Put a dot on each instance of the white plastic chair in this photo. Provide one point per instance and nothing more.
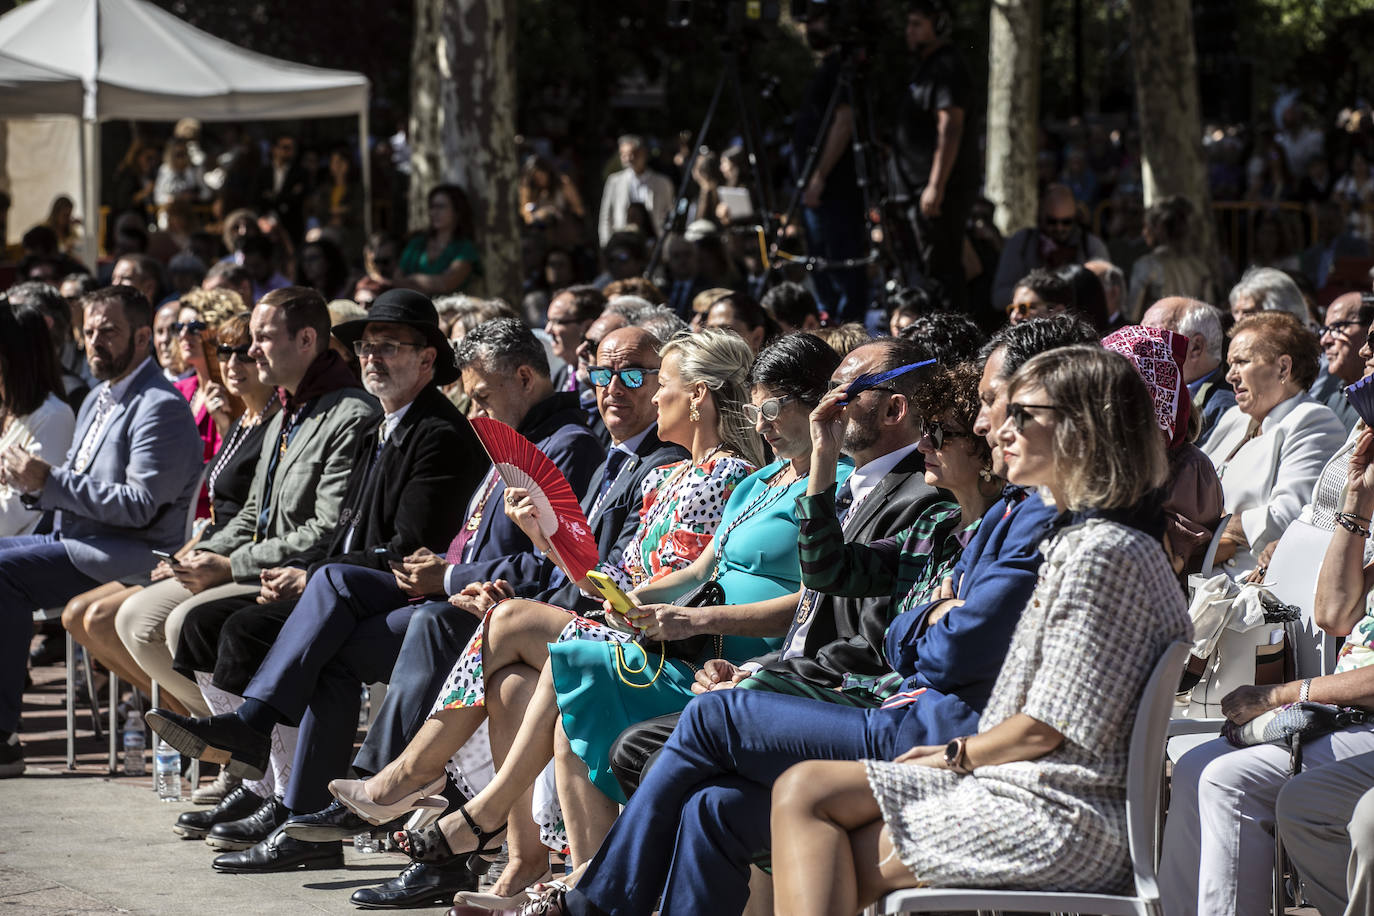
(1143, 782)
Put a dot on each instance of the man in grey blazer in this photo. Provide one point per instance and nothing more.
(634, 184)
(297, 494)
(125, 488)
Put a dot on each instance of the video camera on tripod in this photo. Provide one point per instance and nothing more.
(850, 21)
(727, 16)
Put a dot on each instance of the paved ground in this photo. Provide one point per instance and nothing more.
(83, 842)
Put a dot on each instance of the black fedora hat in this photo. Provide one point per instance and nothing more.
(407, 307)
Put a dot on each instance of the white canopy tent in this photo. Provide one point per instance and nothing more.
(99, 60)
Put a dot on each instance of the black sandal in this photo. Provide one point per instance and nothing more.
(431, 846)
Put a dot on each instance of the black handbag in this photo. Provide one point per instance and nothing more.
(691, 649)
(1293, 724)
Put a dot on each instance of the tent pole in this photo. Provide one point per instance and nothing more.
(365, 163)
(90, 191)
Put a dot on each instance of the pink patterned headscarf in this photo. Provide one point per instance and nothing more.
(1158, 356)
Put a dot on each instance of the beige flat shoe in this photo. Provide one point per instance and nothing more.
(352, 794)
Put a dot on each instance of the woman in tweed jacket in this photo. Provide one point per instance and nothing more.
(1035, 799)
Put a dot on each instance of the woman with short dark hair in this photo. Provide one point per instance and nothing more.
(33, 415)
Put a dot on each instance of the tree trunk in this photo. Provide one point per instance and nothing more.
(462, 125)
(1164, 58)
(1013, 111)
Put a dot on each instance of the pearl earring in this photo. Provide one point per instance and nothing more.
(985, 473)
(693, 414)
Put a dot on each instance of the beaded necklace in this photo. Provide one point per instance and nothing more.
(226, 454)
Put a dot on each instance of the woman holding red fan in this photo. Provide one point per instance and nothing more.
(701, 406)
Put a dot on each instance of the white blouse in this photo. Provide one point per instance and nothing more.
(46, 433)
(1270, 478)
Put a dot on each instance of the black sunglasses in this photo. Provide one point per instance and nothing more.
(938, 433)
(227, 353)
(195, 327)
(1050, 221)
(1019, 414)
(631, 378)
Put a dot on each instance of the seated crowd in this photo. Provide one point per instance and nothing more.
(892, 601)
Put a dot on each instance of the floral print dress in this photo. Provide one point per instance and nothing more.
(682, 505)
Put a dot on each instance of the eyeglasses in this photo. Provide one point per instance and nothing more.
(631, 378)
(382, 349)
(938, 433)
(194, 327)
(1021, 308)
(1065, 223)
(769, 410)
(1020, 413)
(227, 353)
(1338, 328)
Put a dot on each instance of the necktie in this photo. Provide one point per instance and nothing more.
(844, 500)
(615, 460)
(458, 547)
(105, 403)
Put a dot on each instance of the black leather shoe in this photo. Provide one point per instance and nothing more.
(281, 853)
(247, 831)
(225, 740)
(336, 823)
(237, 804)
(421, 884)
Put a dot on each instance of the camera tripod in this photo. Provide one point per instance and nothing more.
(850, 89)
(733, 50)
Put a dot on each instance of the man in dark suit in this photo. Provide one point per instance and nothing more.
(283, 187)
(125, 487)
(434, 641)
(410, 480)
(831, 637)
(345, 621)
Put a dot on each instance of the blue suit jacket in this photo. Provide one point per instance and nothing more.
(137, 491)
(558, 426)
(957, 660)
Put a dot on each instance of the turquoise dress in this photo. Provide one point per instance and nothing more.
(757, 561)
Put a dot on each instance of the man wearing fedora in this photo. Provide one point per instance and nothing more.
(293, 649)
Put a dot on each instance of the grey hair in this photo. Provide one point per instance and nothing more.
(1113, 277)
(627, 307)
(1201, 318)
(1272, 290)
(502, 345)
(662, 322)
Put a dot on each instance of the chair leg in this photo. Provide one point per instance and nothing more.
(71, 702)
(1280, 895)
(90, 694)
(113, 728)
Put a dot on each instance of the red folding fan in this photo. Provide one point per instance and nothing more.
(521, 464)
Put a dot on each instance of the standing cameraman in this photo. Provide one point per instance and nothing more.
(832, 205)
(936, 165)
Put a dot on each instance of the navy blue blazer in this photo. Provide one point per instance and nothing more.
(558, 426)
(958, 659)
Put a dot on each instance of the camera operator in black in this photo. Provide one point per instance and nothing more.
(935, 150)
(832, 205)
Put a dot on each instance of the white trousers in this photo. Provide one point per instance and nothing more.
(1326, 819)
(1218, 856)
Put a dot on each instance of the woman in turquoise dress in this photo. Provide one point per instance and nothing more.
(753, 557)
(443, 259)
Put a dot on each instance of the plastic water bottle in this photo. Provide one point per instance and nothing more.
(133, 745)
(166, 771)
(366, 843)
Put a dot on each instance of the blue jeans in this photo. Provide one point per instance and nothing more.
(35, 573)
(701, 813)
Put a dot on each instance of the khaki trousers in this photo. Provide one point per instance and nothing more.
(1326, 819)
